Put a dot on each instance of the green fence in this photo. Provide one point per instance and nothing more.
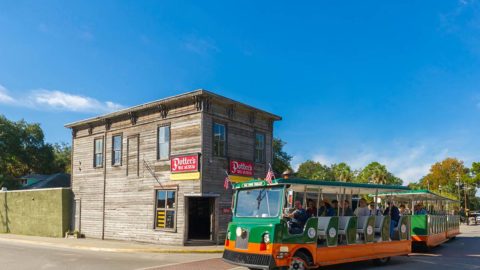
(42, 212)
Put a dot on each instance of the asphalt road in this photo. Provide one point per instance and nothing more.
(460, 253)
(19, 256)
(463, 252)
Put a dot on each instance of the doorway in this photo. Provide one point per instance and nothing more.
(200, 218)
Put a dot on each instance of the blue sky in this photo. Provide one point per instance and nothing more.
(354, 81)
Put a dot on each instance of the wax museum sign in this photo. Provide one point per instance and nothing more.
(244, 168)
(187, 163)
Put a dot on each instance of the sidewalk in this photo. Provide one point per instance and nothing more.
(107, 245)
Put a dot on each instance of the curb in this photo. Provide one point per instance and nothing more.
(120, 250)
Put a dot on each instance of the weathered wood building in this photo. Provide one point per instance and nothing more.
(155, 172)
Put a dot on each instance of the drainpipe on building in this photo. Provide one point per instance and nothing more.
(73, 204)
(104, 181)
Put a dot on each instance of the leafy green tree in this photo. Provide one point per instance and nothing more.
(378, 174)
(62, 157)
(475, 171)
(307, 169)
(414, 186)
(281, 160)
(446, 173)
(9, 182)
(342, 172)
(393, 180)
(23, 150)
(315, 170)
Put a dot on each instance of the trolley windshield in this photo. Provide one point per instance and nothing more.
(262, 202)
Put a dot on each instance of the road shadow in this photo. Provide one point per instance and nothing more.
(463, 252)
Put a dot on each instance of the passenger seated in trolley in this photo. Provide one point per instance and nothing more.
(335, 207)
(297, 219)
(374, 211)
(420, 210)
(322, 209)
(362, 209)
(311, 209)
(404, 211)
(346, 210)
(328, 211)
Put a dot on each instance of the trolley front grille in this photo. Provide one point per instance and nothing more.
(248, 259)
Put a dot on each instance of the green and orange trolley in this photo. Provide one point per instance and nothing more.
(259, 237)
(438, 226)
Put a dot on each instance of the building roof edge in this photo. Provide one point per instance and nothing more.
(191, 94)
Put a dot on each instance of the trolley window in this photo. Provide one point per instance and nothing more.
(261, 202)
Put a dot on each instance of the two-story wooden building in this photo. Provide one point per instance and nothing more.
(155, 172)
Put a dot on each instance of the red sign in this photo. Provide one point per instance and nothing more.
(184, 164)
(241, 167)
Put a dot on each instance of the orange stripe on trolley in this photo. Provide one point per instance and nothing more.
(329, 255)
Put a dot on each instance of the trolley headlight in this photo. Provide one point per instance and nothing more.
(266, 238)
(238, 231)
(229, 235)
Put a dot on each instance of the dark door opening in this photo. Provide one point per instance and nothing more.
(200, 218)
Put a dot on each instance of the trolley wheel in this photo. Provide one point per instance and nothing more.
(381, 261)
(300, 261)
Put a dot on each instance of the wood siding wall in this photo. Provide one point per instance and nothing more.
(129, 197)
(117, 202)
(240, 146)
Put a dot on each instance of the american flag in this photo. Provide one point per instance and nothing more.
(226, 182)
(270, 175)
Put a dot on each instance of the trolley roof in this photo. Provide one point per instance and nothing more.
(329, 187)
(417, 195)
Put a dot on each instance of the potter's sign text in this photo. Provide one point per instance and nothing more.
(244, 168)
(184, 164)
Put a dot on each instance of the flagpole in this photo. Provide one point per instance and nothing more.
(270, 174)
(271, 169)
(227, 182)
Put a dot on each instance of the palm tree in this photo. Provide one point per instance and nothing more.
(342, 172)
(379, 175)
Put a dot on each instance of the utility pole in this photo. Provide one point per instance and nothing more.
(458, 185)
(465, 188)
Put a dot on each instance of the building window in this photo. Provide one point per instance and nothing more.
(117, 150)
(259, 147)
(163, 143)
(219, 140)
(165, 209)
(98, 153)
